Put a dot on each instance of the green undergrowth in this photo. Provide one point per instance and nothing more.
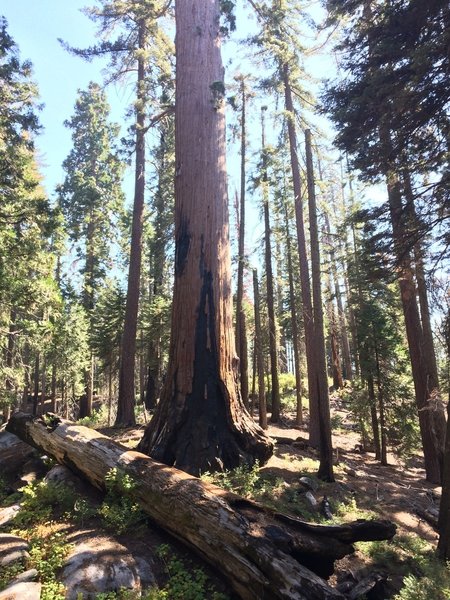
(424, 576)
(48, 509)
(274, 492)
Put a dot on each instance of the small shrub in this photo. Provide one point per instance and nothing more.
(242, 480)
(47, 555)
(182, 583)
(40, 499)
(119, 512)
(98, 418)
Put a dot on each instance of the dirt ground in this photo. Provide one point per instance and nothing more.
(398, 492)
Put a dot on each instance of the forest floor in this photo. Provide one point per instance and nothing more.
(363, 489)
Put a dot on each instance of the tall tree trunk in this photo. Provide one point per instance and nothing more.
(374, 415)
(43, 385)
(342, 321)
(54, 383)
(431, 414)
(325, 446)
(273, 346)
(36, 385)
(428, 342)
(295, 332)
(381, 404)
(241, 339)
(200, 423)
(126, 401)
(308, 319)
(9, 362)
(444, 509)
(259, 355)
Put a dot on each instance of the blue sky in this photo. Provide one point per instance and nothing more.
(36, 25)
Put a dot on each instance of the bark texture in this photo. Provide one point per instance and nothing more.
(200, 423)
(264, 555)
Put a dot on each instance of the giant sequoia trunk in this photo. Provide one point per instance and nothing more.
(201, 424)
(264, 555)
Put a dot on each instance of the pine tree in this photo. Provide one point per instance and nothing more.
(142, 45)
(91, 196)
(383, 145)
(26, 223)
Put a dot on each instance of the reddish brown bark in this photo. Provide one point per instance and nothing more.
(262, 410)
(200, 423)
(241, 333)
(295, 332)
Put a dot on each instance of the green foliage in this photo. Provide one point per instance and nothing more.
(9, 572)
(47, 555)
(118, 511)
(243, 480)
(183, 584)
(98, 418)
(40, 499)
(425, 577)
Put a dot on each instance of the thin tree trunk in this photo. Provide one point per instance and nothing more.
(295, 332)
(273, 346)
(200, 423)
(241, 339)
(325, 448)
(36, 385)
(54, 383)
(259, 355)
(43, 386)
(374, 416)
(381, 407)
(126, 401)
(308, 318)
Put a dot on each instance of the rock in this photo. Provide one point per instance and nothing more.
(311, 500)
(309, 484)
(145, 572)
(22, 591)
(99, 564)
(8, 513)
(12, 548)
(30, 575)
(61, 475)
(13, 453)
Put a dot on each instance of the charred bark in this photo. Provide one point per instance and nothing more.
(200, 423)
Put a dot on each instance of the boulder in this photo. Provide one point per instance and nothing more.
(8, 513)
(12, 548)
(99, 564)
(22, 591)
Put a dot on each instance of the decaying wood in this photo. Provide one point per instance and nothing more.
(264, 555)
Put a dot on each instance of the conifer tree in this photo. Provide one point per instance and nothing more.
(91, 197)
(142, 45)
(383, 144)
(26, 224)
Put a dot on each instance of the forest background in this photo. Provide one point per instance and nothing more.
(64, 308)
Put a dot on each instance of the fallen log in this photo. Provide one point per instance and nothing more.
(263, 554)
